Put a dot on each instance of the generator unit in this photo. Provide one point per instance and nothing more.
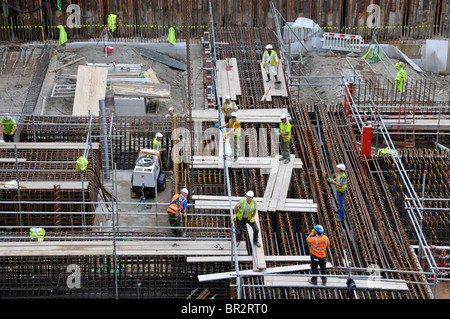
(147, 175)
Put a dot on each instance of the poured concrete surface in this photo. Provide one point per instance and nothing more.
(133, 215)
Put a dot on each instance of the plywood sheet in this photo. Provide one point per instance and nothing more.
(90, 89)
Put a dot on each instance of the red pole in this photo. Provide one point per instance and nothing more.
(366, 141)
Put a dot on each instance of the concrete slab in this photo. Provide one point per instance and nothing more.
(133, 216)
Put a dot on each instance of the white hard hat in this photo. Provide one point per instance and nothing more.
(341, 167)
(7, 116)
(283, 116)
(184, 190)
(170, 109)
(250, 194)
(227, 97)
(159, 135)
(269, 47)
(234, 114)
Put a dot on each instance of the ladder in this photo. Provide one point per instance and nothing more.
(208, 79)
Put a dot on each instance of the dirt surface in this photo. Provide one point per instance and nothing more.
(329, 64)
(443, 290)
(122, 55)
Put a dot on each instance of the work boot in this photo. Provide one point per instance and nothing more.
(268, 78)
(235, 158)
(257, 244)
(324, 282)
(312, 282)
(287, 160)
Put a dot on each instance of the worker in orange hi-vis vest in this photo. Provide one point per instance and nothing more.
(176, 210)
(319, 244)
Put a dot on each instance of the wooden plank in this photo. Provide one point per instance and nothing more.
(270, 184)
(274, 270)
(228, 78)
(91, 87)
(277, 187)
(286, 178)
(270, 88)
(50, 184)
(50, 146)
(302, 282)
(258, 199)
(259, 261)
(244, 116)
(311, 208)
(67, 64)
(226, 86)
(213, 259)
(181, 248)
(150, 73)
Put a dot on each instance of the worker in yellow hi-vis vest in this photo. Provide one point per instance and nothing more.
(270, 62)
(157, 144)
(243, 215)
(9, 127)
(400, 78)
(340, 182)
(285, 137)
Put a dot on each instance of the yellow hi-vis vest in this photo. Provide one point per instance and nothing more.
(286, 128)
(237, 131)
(112, 22)
(272, 58)
(343, 188)
(241, 209)
(228, 110)
(37, 232)
(157, 145)
(171, 37)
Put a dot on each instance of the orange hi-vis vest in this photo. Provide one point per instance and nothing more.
(319, 245)
(176, 204)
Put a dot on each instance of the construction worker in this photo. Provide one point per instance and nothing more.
(319, 244)
(270, 62)
(228, 107)
(177, 210)
(235, 130)
(157, 144)
(244, 213)
(285, 136)
(341, 187)
(400, 78)
(171, 115)
(9, 127)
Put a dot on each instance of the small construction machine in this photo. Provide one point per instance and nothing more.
(147, 177)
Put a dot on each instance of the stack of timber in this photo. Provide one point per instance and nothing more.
(147, 90)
